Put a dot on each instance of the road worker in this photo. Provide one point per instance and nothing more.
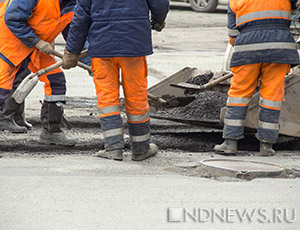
(18, 123)
(119, 35)
(28, 29)
(264, 52)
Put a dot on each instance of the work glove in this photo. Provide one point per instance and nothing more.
(69, 60)
(158, 26)
(44, 47)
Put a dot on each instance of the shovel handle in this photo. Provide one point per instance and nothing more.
(80, 64)
(217, 81)
(156, 98)
(46, 70)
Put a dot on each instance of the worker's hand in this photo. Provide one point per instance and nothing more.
(69, 60)
(44, 47)
(158, 26)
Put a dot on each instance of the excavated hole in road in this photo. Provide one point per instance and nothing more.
(167, 135)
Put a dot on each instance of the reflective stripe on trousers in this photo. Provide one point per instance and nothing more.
(139, 136)
(113, 132)
(234, 122)
(243, 85)
(139, 132)
(268, 127)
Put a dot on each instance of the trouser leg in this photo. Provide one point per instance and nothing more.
(243, 85)
(20, 109)
(106, 79)
(134, 78)
(8, 105)
(52, 107)
(271, 96)
(242, 88)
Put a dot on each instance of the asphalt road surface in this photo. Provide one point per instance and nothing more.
(51, 188)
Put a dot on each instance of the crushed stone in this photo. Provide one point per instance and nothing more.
(206, 107)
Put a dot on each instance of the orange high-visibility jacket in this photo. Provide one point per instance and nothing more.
(45, 21)
(261, 29)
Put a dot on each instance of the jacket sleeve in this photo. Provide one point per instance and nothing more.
(79, 28)
(159, 10)
(233, 31)
(67, 7)
(16, 14)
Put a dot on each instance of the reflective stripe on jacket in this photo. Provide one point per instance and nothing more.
(25, 22)
(261, 29)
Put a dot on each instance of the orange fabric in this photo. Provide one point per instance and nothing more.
(7, 74)
(231, 41)
(270, 75)
(110, 114)
(45, 22)
(45, 61)
(62, 23)
(243, 7)
(134, 80)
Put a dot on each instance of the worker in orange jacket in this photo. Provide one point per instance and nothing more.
(264, 51)
(28, 29)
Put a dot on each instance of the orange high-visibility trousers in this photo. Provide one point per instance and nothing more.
(270, 77)
(55, 83)
(134, 81)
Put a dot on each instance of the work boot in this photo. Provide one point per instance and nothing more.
(51, 134)
(115, 154)
(20, 117)
(266, 149)
(55, 138)
(7, 114)
(152, 150)
(228, 147)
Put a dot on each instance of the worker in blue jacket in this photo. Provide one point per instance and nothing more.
(119, 35)
(264, 51)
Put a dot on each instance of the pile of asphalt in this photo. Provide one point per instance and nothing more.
(206, 107)
(201, 79)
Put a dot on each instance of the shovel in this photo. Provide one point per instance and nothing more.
(31, 80)
(173, 102)
(80, 64)
(184, 85)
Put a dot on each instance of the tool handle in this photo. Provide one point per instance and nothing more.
(80, 64)
(46, 70)
(217, 81)
(156, 98)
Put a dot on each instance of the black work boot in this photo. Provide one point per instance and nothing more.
(266, 149)
(51, 134)
(20, 117)
(151, 151)
(228, 147)
(116, 154)
(7, 114)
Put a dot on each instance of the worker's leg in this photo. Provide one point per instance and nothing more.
(8, 105)
(106, 79)
(242, 87)
(52, 110)
(271, 95)
(20, 113)
(134, 78)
